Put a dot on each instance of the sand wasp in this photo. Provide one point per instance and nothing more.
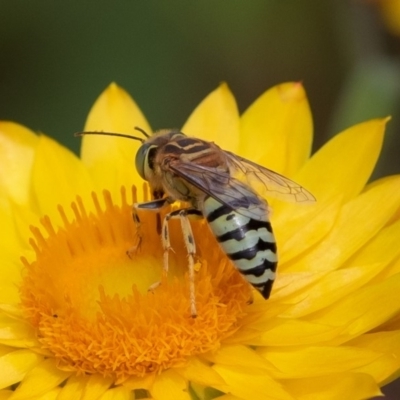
(219, 186)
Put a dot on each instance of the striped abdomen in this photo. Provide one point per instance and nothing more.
(248, 242)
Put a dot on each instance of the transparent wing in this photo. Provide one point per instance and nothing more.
(265, 181)
(219, 185)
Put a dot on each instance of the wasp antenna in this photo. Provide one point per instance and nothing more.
(109, 134)
(142, 131)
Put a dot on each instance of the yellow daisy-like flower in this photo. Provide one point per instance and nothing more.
(77, 320)
(390, 10)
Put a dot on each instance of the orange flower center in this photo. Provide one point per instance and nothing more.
(90, 303)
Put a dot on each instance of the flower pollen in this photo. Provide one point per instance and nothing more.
(89, 300)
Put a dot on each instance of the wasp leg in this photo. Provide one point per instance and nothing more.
(155, 205)
(183, 216)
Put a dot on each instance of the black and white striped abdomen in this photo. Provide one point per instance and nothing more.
(248, 242)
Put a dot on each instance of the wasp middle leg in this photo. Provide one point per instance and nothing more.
(183, 215)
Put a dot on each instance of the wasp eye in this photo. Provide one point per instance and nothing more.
(144, 160)
(141, 159)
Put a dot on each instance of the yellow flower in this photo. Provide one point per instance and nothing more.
(390, 11)
(77, 320)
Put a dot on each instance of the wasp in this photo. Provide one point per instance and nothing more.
(219, 186)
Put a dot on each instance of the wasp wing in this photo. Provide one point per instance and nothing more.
(219, 185)
(265, 181)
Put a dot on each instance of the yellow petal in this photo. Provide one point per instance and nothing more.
(13, 311)
(331, 288)
(307, 333)
(49, 395)
(10, 277)
(135, 382)
(58, 176)
(169, 385)
(341, 386)
(390, 10)
(216, 119)
(276, 130)
(203, 392)
(73, 388)
(260, 315)
(238, 355)
(292, 282)
(9, 241)
(371, 211)
(4, 350)
(247, 336)
(394, 322)
(41, 379)
(316, 360)
(15, 364)
(16, 333)
(118, 393)
(23, 219)
(391, 269)
(17, 146)
(344, 164)
(111, 160)
(300, 227)
(116, 111)
(250, 385)
(396, 215)
(199, 372)
(95, 386)
(360, 312)
(386, 368)
(227, 397)
(383, 248)
(5, 394)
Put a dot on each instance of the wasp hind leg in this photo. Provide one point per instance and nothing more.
(154, 205)
(183, 216)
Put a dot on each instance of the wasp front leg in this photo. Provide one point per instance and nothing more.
(155, 205)
(183, 216)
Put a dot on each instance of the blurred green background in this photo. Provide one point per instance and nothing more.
(57, 57)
